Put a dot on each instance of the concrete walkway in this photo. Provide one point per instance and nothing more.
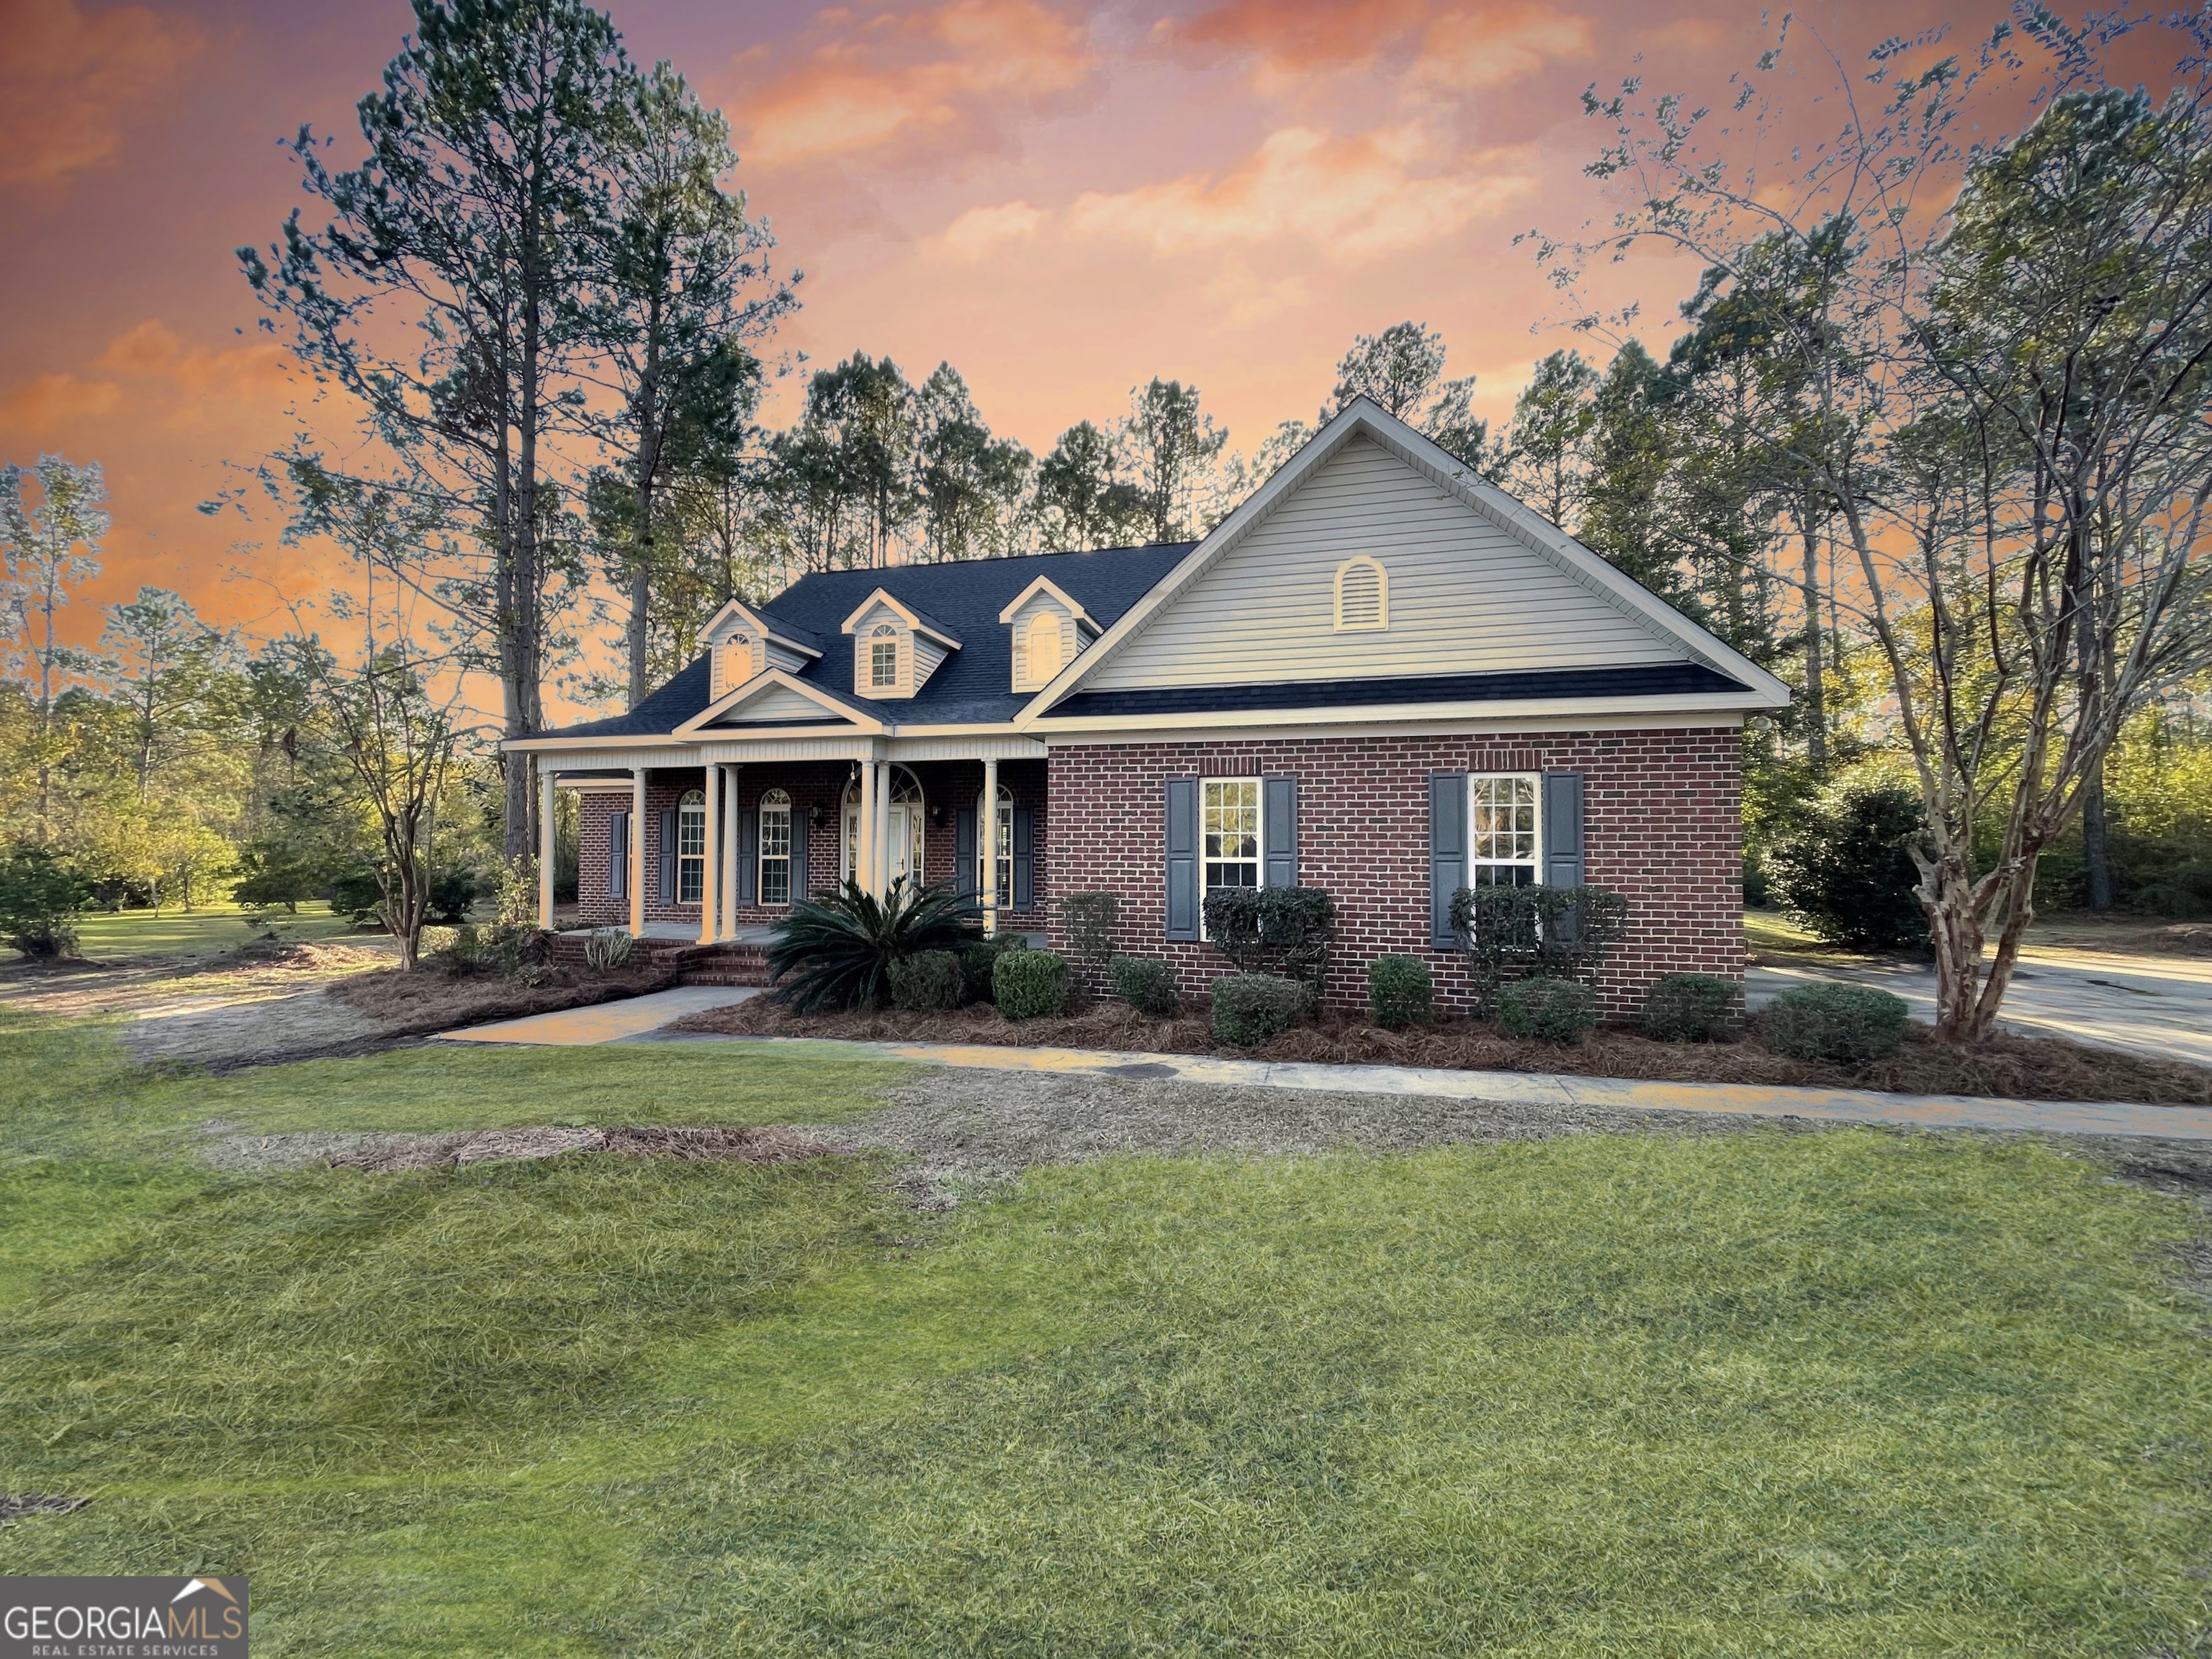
(2161, 1006)
(606, 1022)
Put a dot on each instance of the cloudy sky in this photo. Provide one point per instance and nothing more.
(1061, 201)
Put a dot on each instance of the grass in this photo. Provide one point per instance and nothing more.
(127, 935)
(1849, 1393)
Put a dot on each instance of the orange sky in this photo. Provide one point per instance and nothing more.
(1061, 201)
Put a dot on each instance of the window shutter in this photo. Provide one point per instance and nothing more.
(802, 819)
(963, 852)
(1563, 829)
(1024, 858)
(1447, 854)
(1183, 858)
(619, 855)
(1278, 823)
(668, 857)
(749, 857)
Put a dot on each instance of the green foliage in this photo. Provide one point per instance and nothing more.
(1849, 1025)
(1088, 919)
(453, 892)
(1399, 989)
(979, 959)
(1846, 872)
(1691, 1008)
(608, 950)
(1147, 984)
(1548, 1010)
(1555, 933)
(1249, 1008)
(927, 979)
(836, 953)
(1029, 984)
(355, 895)
(1284, 931)
(40, 897)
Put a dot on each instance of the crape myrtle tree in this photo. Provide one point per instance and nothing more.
(1996, 382)
(473, 218)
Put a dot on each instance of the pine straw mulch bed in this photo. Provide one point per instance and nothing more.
(2008, 1067)
(409, 1004)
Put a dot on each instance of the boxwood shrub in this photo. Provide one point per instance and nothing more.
(1029, 984)
(1147, 984)
(1249, 1008)
(979, 962)
(928, 979)
(1691, 1008)
(1400, 990)
(1849, 1024)
(1549, 1010)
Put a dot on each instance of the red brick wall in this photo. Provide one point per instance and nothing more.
(816, 789)
(1663, 824)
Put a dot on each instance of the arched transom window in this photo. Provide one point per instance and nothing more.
(690, 847)
(1045, 646)
(907, 817)
(1363, 596)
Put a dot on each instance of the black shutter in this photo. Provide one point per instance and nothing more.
(1278, 823)
(619, 855)
(1563, 829)
(801, 818)
(1024, 858)
(668, 857)
(1183, 858)
(963, 852)
(1447, 853)
(749, 857)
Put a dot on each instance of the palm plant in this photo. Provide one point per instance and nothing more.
(836, 953)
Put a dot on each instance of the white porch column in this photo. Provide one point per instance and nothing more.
(710, 866)
(545, 777)
(727, 852)
(883, 859)
(637, 852)
(864, 854)
(988, 830)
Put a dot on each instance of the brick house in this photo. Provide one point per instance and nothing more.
(1379, 676)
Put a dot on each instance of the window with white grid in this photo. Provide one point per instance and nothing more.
(690, 847)
(1504, 845)
(1230, 829)
(775, 847)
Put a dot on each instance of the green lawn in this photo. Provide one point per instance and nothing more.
(125, 935)
(1850, 1393)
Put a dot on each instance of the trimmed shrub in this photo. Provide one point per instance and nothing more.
(1846, 871)
(979, 960)
(1029, 984)
(1088, 919)
(1536, 932)
(1249, 1008)
(608, 949)
(1691, 1008)
(837, 951)
(1849, 1024)
(1274, 929)
(1549, 1010)
(929, 979)
(1400, 990)
(1147, 984)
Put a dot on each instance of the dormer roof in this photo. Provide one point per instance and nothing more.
(1046, 585)
(763, 622)
(913, 615)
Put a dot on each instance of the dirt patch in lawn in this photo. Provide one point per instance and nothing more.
(14, 1506)
(2007, 1067)
(403, 1004)
(387, 1153)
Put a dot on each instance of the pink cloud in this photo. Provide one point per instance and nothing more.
(69, 83)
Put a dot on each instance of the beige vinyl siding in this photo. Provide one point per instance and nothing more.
(1465, 598)
(778, 702)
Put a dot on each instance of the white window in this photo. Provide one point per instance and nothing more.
(883, 657)
(775, 847)
(690, 847)
(906, 813)
(1230, 829)
(1505, 842)
(1006, 859)
(1047, 647)
(1363, 596)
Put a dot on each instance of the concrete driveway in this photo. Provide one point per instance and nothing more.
(2161, 1006)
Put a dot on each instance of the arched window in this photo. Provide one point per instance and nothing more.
(907, 822)
(883, 656)
(1046, 647)
(690, 847)
(775, 847)
(1363, 596)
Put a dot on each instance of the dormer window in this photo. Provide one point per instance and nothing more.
(1048, 630)
(1363, 596)
(883, 658)
(895, 647)
(1047, 644)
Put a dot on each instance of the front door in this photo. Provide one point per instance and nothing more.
(902, 839)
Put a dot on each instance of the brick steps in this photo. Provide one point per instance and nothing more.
(693, 964)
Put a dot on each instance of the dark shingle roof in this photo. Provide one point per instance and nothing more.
(973, 685)
(1650, 680)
